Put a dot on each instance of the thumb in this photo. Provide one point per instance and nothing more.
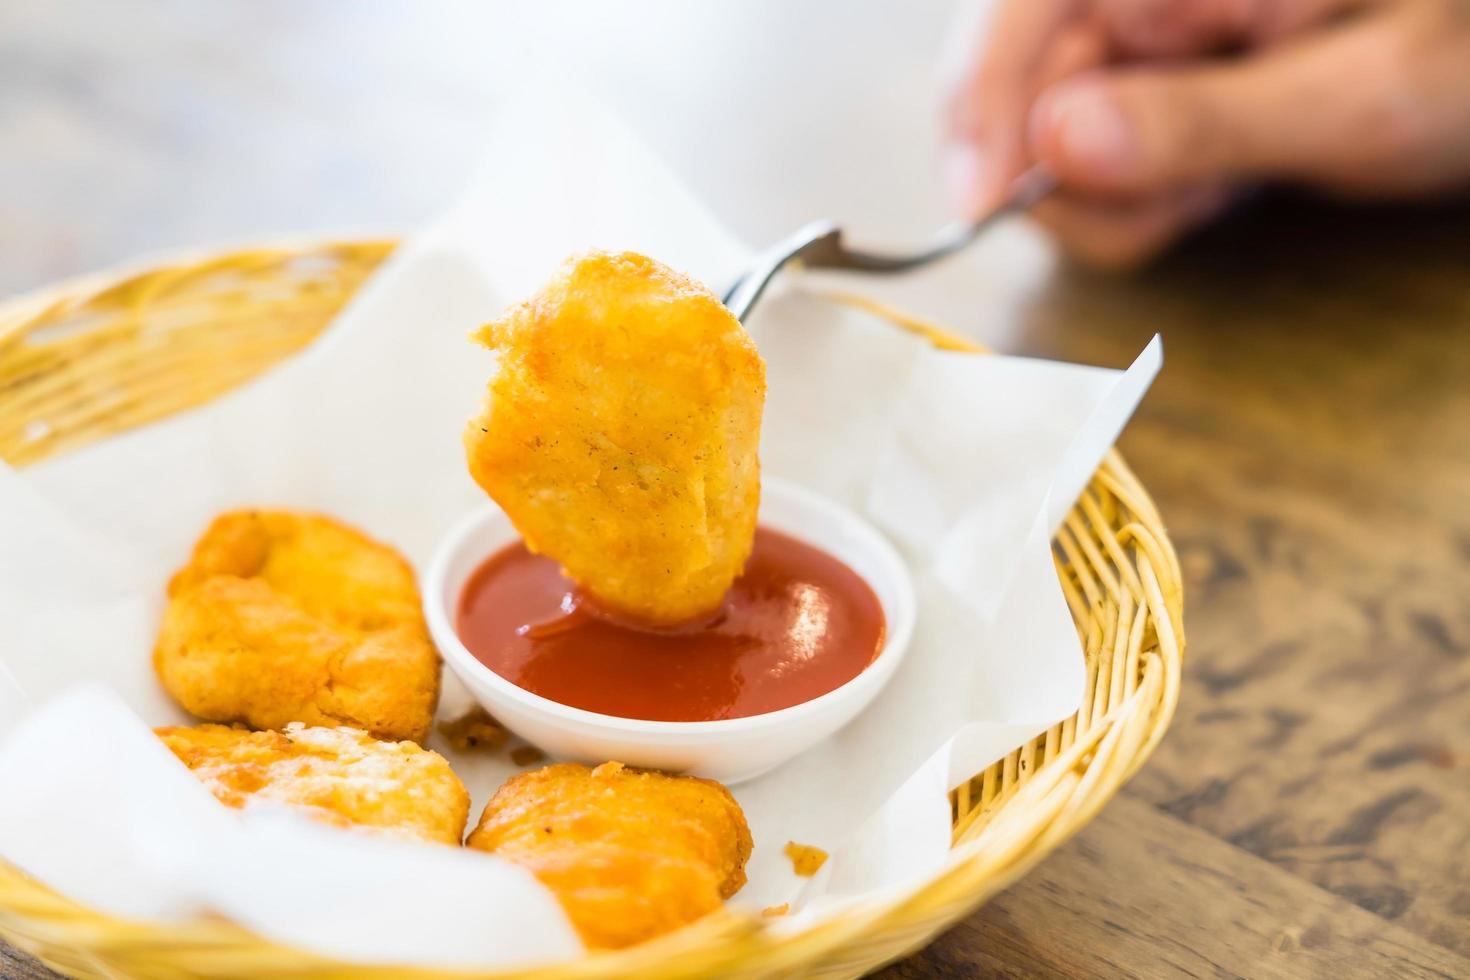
(1314, 109)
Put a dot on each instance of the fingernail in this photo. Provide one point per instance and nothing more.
(1085, 122)
(967, 178)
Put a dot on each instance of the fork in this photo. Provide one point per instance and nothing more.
(819, 245)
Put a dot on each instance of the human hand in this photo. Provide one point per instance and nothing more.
(1154, 114)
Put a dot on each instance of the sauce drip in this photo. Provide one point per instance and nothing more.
(797, 624)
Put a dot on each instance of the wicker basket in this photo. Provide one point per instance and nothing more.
(92, 357)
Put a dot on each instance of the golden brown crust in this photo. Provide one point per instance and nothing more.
(282, 617)
(630, 854)
(340, 776)
(620, 434)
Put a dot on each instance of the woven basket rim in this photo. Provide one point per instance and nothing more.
(1061, 794)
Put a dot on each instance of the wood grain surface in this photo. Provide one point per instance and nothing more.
(1207, 911)
(1308, 444)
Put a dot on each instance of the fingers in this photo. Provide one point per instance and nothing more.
(1170, 29)
(1349, 105)
(1075, 48)
(1028, 44)
(1114, 235)
(987, 111)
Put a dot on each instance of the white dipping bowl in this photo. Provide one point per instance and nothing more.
(730, 750)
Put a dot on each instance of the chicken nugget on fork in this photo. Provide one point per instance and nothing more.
(620, 434)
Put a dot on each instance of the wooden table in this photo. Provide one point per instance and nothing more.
(1308, 444)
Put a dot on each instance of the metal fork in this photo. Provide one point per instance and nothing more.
(819, 245)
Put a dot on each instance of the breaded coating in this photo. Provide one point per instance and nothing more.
(341, 776)
(282, 617)
(630, 854)
(620, 434)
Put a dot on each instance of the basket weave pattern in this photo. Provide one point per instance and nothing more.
(94, 357)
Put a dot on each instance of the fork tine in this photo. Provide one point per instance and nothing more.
(741, 296)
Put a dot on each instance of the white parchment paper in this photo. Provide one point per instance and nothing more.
(968, 462)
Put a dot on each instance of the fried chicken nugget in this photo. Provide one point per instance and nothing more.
(282, 617)
(620, 434)
(630, 854)
(340, 776)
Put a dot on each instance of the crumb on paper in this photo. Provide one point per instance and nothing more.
(805, 859)
(526, 755)
(475, 729)
(775, 911)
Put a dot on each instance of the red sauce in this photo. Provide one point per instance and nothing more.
(797, 624)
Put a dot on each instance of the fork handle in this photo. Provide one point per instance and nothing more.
(1029, 187)
(819, 245)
